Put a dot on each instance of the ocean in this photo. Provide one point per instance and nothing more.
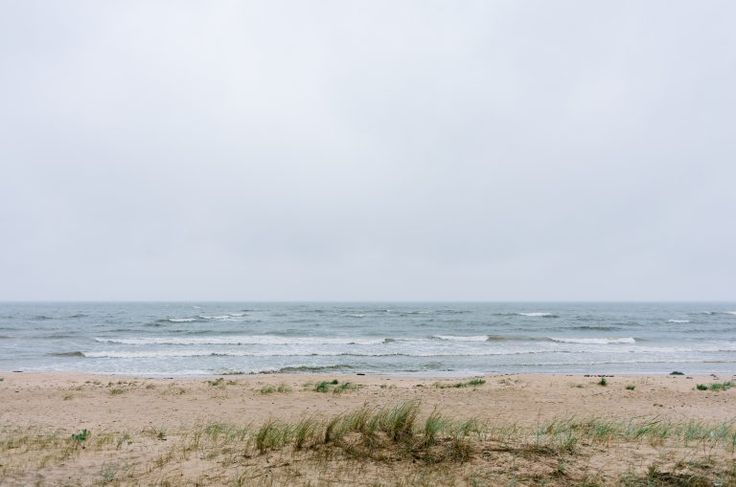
(175, 339)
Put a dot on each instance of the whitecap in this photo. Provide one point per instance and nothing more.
(594, 341)
(242, 340)
(476, 338)
(537, 314)
(678, 321)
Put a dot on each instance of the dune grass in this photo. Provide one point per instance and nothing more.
(395, 444)
(716, 386)
(334, 386)
(459, 385)
(271, 389)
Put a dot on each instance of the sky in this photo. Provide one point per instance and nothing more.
(368, 151)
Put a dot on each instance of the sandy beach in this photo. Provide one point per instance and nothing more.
(528, 429)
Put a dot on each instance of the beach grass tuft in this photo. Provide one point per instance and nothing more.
(334, 386)
(82, 436)
(271, 389)
(459, 385)
(716, 386)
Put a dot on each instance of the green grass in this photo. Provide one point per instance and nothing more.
(325, 385)
(459, 385)
(630, 387)
(270, 389)
(716, 386)
(81, 436)
(345, 387)
(407, 440)
(272, 435)
(603, 382)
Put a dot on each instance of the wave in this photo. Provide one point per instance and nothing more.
(56, 336)
(455, 338)
(320, 340)
(622, 362)
(487, 338)
(243, 340)
(530, 314)
(188, 353)
(205, 318)
(594, 341)
(731, 312)
(590, 327)
(129, 354)
(68, 354)
(179, 320)
(306, 368)
(226, 317)
(678, 321)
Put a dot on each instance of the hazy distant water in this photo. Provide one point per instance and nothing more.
(430, 339)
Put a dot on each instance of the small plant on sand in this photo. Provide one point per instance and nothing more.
(459, 385)
(325, 385)
(630, 387)
(345, 386)
(716, 386)
(602, 382)
(398, 423)
(433, 426)
(216, 382)
(304, 431)
(677, 372)
(270, 388)
(273, 434)
(81, 437)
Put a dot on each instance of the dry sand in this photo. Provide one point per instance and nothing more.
(148, 416)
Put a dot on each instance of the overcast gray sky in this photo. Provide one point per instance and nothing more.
(382, 150)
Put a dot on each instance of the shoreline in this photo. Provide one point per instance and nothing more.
(77, 375)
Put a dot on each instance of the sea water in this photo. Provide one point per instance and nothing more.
(389, 338)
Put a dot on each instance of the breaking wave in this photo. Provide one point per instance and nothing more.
(594, 341)
(243, 340)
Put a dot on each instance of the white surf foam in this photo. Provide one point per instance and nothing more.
(456, 338)
(594, 341)
(241, 340)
